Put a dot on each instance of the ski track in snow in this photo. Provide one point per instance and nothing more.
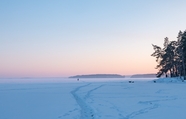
(86, 111)
(141, 111)
(154, 104)
(90, 91)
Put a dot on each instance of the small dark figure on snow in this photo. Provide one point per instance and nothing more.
(131, 81)
(77, 79)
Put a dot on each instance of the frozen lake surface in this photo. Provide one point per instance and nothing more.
(91, 99)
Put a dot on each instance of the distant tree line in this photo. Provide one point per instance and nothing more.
(171, 58)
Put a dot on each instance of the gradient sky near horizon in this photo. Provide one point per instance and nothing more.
(53, 38)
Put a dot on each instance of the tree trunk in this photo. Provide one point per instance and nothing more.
(184, 74)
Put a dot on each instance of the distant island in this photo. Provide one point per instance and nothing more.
(143, 76)
(98, 76)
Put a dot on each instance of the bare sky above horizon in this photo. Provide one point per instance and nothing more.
(69, 37)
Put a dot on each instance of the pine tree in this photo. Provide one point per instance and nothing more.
(182, 52)
(172, 58)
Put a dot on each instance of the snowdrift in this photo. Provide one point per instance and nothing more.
(169, 80)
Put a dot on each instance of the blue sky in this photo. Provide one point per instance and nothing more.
(69, 37)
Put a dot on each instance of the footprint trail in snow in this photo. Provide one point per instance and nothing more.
(86, 111)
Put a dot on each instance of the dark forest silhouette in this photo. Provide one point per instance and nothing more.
(171, 58)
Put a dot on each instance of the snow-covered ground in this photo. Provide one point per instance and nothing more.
(92, 99)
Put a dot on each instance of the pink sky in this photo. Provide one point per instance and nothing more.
(65, 38)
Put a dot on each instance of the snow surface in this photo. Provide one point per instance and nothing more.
(92, 99)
